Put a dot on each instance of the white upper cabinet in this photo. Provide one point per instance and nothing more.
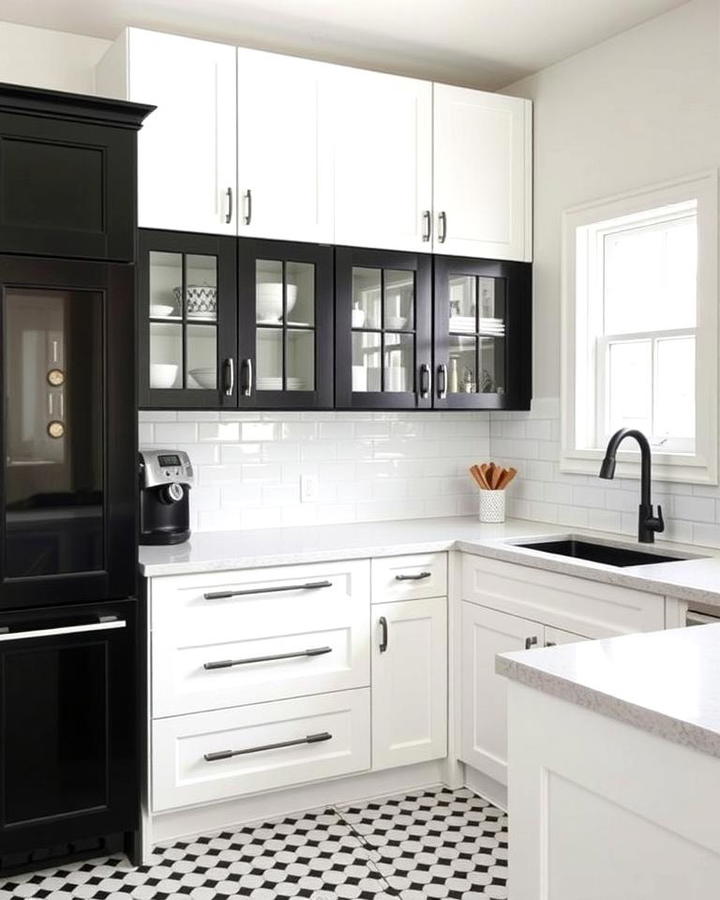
(187, 147)
(285, 162)
(482, 174)
(383, 160)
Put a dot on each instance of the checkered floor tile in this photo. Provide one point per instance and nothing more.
(433, 844)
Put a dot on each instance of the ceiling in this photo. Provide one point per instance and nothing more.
(482, 43)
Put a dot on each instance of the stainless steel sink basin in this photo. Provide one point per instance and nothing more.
(599, 553)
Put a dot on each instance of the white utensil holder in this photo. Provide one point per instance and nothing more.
(492, 506)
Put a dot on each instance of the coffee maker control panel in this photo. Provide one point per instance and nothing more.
(160, 467)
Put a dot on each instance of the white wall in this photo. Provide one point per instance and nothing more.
(641, 108)
(49, 59)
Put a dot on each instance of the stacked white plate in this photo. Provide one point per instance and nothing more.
(462, 323)
(276, 384)
(494, 327)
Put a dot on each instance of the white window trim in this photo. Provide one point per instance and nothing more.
(700, 467)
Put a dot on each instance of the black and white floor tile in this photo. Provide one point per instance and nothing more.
(432, 844)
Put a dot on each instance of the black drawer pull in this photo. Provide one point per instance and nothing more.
(228, 754)
(382, 621)
(309, 586)
(413, 577)
(227, 663)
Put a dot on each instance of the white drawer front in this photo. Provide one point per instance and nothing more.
(409, 577)
(257, 603)
(315, 659)
(182, 776)
(590, 608)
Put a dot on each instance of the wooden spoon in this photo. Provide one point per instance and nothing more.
(508, 476)
(497, 476)
(475, 472)
(479, 475)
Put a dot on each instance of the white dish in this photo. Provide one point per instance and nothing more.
(162, 376)
(395, 323)
(161, 310)
(206, 377)
(270, 301)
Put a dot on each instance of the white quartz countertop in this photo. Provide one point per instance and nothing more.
(695, 579)
(663, 682)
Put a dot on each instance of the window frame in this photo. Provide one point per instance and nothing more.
(579, 370)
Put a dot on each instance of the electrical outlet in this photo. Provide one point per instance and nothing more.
(308, 488)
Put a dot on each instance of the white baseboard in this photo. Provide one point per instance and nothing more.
(486, 787)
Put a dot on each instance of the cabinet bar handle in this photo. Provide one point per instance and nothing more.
(442, 381)
(228, 663)
(247, 218)
(229, 376)
(427, 222)
(102, 625)
(425, 381)
(309, 586)
(550, 644)
(442, 227)
(228, 754)
(382, 621)
(229, 213)
(413, 577)
(530, 642)
(247, 381)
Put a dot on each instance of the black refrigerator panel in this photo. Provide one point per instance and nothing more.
(68, 704)
(68, 482)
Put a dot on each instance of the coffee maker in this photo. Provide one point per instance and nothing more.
(166, 477)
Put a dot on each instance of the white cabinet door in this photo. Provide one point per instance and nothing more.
(383, 161)
(409, 682)
(485, 633)
(187, 147)
(284, 147)
(482, 174)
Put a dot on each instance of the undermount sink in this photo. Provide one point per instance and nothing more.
(599, 553)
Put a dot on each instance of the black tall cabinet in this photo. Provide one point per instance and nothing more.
(69, 636)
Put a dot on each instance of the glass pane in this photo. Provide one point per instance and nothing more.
(462, 378)
(366, 361)
(399, 362)
(201, 287)
(165, 285)
(492, 366)
(463, 303)
(492, 306)
(675, 387)
(300, 293)
(56, 751)
(269, 290)
(629, 384)
(53, 431)
(166, 355)
(269, 357)
(202, 357)
(399, 300)
(300, 361)
(366, 298)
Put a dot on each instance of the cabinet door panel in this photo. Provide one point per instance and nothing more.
(284, 147)
(485, 633)
(187, 155)
(383, 160)
(482, 170)
(409, 682)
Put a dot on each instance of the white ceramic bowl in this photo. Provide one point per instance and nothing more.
(162, 376)
(206, 377)
(161, 311)
(269, 301)
(395, 323)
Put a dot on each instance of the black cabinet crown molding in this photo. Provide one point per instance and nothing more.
(31, 101)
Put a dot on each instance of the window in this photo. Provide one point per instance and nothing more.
(640, 313)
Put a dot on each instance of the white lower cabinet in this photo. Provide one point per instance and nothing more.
(485, 633)
(211, 756)
(409, 681)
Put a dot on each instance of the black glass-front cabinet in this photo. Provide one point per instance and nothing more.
(260, 324)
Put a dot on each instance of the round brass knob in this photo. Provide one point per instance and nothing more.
(56, 429)
(56, 377)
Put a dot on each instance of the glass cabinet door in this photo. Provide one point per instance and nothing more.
(482, 324)
(382, 330)
(187, 294)
(285, 312)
